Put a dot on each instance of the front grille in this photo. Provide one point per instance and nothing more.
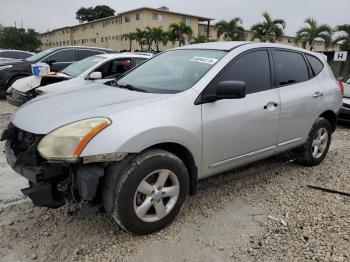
(17, 95)
(24, 145)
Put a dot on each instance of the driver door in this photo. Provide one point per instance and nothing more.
(238, 131)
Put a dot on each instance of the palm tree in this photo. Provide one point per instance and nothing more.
(231, 30)
(308, 34)
(140, 36)
(170, 36)
(181, 30)
(156, 35)
(129, 37)
(344, 38)
(269, 30)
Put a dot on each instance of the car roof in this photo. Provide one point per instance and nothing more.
(82, 47)
(230, 45)
(13, 50)
(126, 54)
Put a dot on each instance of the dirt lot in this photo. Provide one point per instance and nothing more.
(263, 212)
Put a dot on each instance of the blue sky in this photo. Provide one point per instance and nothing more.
(44, 15)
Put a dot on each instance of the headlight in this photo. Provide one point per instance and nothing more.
(5, 67)
(67, 142)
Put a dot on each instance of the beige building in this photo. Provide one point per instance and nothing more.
(248, 36)
(108, 32)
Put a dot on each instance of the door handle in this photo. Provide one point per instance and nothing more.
(317, 94)
(271, 105)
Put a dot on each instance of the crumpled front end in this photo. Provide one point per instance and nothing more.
(50, 183)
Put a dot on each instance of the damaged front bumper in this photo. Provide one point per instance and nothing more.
(50, 184)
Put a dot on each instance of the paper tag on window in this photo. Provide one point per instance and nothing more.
(204, 60)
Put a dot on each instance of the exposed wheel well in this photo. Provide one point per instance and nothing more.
(185, 155)
(331, 117)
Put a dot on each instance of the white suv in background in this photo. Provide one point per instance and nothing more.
(83, 73)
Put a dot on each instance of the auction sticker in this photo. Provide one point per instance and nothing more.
(204, 60)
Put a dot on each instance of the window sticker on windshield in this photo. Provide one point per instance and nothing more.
(205, 60)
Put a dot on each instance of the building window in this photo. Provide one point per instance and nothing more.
(101, 39)
(138, 16)
(126, 19)
(186, 20)
(157, 16)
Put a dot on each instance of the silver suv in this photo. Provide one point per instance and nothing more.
(139, 145)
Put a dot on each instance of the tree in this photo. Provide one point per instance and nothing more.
(230, 30)
(140, 36)
(94, 13)
(129, 37)
(181, 30)
(269, 30)
(156, 35)
(19, 38)
(343, 39)
(308, 34)
(170, 36)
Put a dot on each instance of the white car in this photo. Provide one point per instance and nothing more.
(98, 68)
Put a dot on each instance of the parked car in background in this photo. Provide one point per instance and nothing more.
(6, 55)
(58, 59)
(344, 114)
(83, 73)
(139, 145)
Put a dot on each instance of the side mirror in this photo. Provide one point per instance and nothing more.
(95, 76)
(223, 90)
(50, 62)
(230, 90)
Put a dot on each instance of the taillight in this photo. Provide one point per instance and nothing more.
(341, 86)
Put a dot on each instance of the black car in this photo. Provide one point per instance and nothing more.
(6, 55)
(58, 59)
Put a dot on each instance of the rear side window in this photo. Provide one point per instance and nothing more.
(63, 56)
(291, 67)
(8, 54)
(87, 53)
(139, 61)
(316, 64)
(22, 55)
(252, 68)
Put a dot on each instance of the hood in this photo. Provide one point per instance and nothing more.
(48, 112)
(31, 82)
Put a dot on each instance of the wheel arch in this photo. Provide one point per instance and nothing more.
(186, 156)
(331, 117)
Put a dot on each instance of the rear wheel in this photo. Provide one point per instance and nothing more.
(149, 192)
(317, 145)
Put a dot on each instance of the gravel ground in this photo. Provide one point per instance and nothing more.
(263, 212)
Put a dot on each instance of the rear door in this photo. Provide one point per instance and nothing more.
(241, 130)
(301, 96)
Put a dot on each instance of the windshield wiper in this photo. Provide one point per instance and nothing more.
(131, 87)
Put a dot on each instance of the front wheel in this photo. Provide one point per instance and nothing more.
(149, 192)
(317, 145)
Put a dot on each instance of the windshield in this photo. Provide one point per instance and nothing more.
(173, 71)
(40, 55)
(81, 66)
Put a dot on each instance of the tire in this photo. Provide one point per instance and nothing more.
(159, 202)
(306, 154)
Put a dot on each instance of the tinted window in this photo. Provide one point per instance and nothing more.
(22, 55)
(63, 56)
(291, 67)
(316, 64)
(115, 68)
(8, 54)
(139, 61)
(252, 68)
(87, 53)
